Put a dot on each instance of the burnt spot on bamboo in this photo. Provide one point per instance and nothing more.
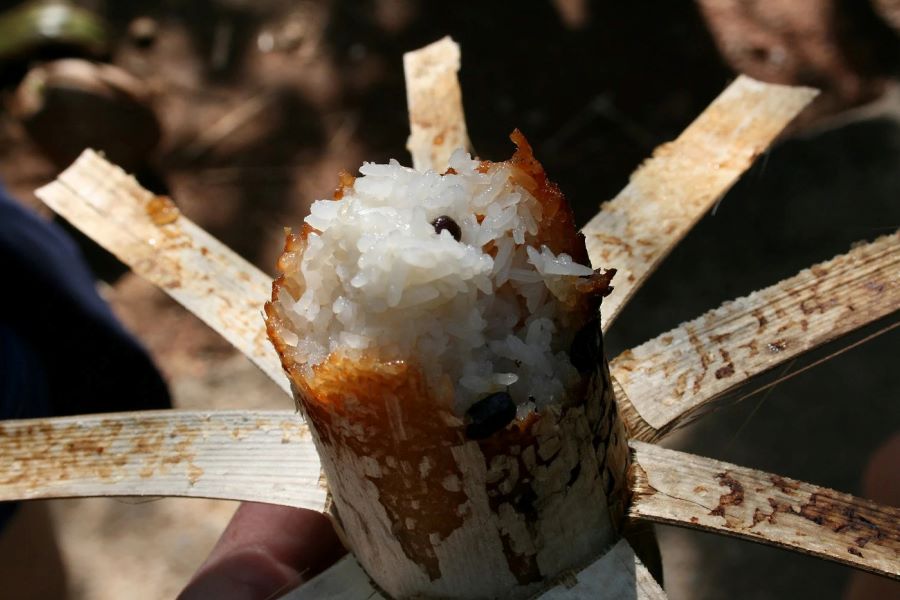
(734, 498)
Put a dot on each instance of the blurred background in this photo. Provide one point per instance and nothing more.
(244, 112)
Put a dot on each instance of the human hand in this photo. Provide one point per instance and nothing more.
(881, 484)
(265, 551)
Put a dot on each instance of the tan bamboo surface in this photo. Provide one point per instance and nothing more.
(702, 493)
(617, 574)
(434, 99)
(261, 456)
(669, 193)
(671, 379)
(148, 234)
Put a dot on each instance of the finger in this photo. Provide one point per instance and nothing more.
(265, 549)
(881, 483)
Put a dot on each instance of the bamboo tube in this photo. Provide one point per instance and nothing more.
(430, 512)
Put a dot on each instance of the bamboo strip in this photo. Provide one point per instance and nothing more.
(671, 379)
(702, 493)
(147, 233)
(436, 120)
(617, 575)
(261, 456)
(669, 193)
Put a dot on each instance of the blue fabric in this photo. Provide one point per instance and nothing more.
(23, 387)
(49, 300)
(23, 390)
(62, 351)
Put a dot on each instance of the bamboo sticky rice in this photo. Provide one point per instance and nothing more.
(441, 336)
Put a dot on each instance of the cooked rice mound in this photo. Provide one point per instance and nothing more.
(496, 310)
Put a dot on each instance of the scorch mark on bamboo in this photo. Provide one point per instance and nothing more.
(244, 455)
(666, 382)
(45, 450)
(735, 496)
(672, 487)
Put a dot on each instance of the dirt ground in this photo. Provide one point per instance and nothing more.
(262, 103)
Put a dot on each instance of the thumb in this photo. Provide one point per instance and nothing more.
(265, 550)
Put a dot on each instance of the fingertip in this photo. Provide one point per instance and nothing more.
(264, 550)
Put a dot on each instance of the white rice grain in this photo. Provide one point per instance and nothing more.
(483, 311)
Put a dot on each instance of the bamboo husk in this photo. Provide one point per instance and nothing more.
(150, 235)
(429, 513)
(256, 456)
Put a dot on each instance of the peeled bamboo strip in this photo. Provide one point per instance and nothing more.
(702, 493)
(436, 120)
(669, 193)
(147, 233)
(261, 456)
(665, 382)
(617, 575)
